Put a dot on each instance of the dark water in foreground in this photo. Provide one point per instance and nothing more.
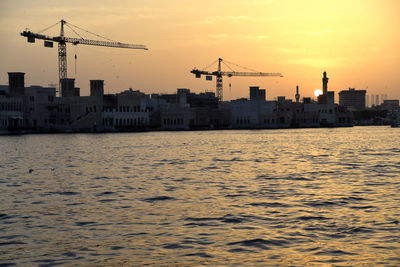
(245, 198)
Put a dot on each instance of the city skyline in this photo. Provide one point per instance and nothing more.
(356, 43)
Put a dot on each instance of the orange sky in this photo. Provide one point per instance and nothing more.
(356, 41)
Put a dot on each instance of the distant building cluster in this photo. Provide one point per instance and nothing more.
(38, 109)
(375, 100)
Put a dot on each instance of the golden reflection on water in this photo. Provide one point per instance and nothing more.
(277, 197)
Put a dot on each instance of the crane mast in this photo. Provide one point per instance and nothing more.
(62, 54)
(219, 74)
(62, 41)
(219, 87)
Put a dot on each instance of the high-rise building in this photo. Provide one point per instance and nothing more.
(352, 98)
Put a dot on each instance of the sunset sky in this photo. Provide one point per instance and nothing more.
(356, 41)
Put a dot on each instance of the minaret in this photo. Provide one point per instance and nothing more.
(297, 96)
(325, 84)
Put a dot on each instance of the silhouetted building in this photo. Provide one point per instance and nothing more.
(330, 97)
(182, 96)
(391, 103)
(254, 92)
(257, 94)
(37, 109)
(325, 80)
(327, 97)
(194, 100)
(11, 113)
(16, 82)
(77, 91)
(3, 90)
(68, 88)
(262, 95)
(96, 88)
(352, 98)
(297, 96)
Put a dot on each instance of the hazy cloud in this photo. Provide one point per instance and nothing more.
(215, 39)
(219, 19)
(253, 37)
(375, 49)
(318, 62)
(292, 51)
(326, 31)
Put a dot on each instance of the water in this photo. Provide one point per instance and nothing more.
(244, 198)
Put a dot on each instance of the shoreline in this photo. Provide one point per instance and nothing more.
(14, 133)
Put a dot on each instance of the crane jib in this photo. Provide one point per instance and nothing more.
(219, 74)
(62, 40)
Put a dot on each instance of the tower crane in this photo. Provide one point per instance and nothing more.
(62, 41)
(219, 73)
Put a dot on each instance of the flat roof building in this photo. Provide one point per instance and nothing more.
(352, 98)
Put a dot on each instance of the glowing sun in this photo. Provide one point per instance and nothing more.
(318, 92)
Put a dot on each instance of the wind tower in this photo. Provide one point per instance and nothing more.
(297, 96)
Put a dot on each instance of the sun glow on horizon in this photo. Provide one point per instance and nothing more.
(318, 92)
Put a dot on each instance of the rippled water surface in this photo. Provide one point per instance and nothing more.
(245, 198)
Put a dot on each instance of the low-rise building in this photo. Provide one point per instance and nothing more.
(11, 113)
(37, 109)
